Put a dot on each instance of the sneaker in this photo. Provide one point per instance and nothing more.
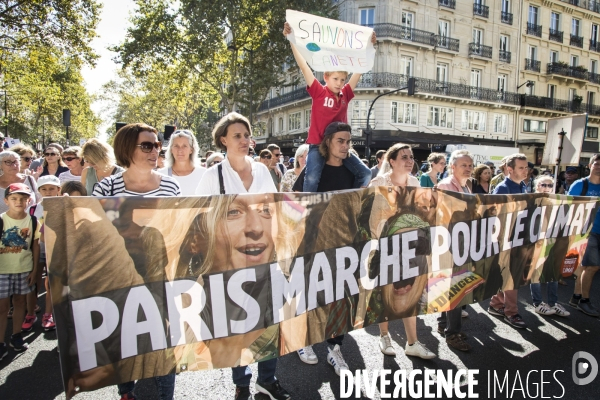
(128, 396)
(242, 393)
(442, 333)
(273, 390)
(385, 345)
(499, 312)
(560, 311)
(588, 308)
(458, 343)
(307, 355)
(10, 313)
(48, 322)
(17, 343)
(464, 313)
(3, 350)
(336, 360)
(418, 349)
(545, 309)
(516, 321)
(27, 325)
(573, 302)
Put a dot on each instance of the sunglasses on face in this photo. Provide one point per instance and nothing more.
(268, 157)
(50, 154)
(69, 159)
(26, 159)
(546, 185)
(162, 154)
(147, 147)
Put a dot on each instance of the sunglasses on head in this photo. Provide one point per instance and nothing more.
(546, 185)
(69, 159)
(50, 154)
(147, 147)
(268, 156)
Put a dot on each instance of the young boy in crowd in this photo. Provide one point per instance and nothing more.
(330, 104)
(19, 255)
(48, 186)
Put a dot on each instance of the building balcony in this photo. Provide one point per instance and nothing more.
(448, 3)
(477, 49)
(295, 95)
(404, 33)
(506, 18)
(446, 42)
(555, 35)
(504, 56)
(535, 30)
(566, 70)
(576, 41)
(481, 11)
(592, 5)
(595, 45)
(532, 65)
(550, 103)
(594, 77)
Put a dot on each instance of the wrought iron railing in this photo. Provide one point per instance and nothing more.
(565, 70)
(594, 77)
(576, 41)
(404, 33)
(532, 65)
(555, 35)
(504, 56)
(550, 103)
(481, 10)
(595, 45)
(533, 29)
(292, 96)
(446, 42)
(477, 49)
(506, 18)
(591, 5)
(448, 3)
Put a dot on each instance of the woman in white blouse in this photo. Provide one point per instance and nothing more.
(182, 162)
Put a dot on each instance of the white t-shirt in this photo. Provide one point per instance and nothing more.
(68, 176)
(261, 180)
(188, 183)
(115, 186)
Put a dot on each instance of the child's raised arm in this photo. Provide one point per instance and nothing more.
(309, 77)
(356, 76)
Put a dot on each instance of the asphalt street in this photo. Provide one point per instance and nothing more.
(515, 356)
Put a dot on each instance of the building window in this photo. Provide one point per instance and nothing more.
(502, 82)
(504, 43)
(270, 127)
(532, 17)
(473, 120)
(367, 16)
(594, 66)
(555, 21)
(404, 113)
(307, 118)
(591, 132)
(584, 161)
(530, 125)
(574, 61)
(280, 124)
(442, 73)
(477, 36)
(594, 34)
(552, 91)
(360, 108)
(500, 123)
(575, 27)
(294, 121)
(554, 56)
(440, 116)
(406, 65)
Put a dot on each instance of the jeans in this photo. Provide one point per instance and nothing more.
(165, 386)
(314, 167)
(451, 321)
(551, 291)
(266, 373)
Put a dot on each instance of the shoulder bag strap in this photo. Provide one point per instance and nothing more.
(221, 184)
(170, 171)
(34, 223)
(584, 189)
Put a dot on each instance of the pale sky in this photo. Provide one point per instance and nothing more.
(111, 29)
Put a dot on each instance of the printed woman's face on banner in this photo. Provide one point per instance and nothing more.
(400, 299)
(249, 233)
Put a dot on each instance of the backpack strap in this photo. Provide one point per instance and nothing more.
(585, 184)
(32, 209)
(221, 184)
(34, 223)
(281, 167)
(1, 225)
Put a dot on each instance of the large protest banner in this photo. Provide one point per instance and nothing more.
(331, 45)
(145, 286)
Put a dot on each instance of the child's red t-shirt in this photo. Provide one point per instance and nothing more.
(326, 108)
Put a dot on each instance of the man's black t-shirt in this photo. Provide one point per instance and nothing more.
(332, 178)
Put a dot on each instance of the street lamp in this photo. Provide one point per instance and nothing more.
(231, 47)
(526, 83)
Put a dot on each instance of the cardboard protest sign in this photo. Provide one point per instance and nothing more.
(330, 45)
(144, 287)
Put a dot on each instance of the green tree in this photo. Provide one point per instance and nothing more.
(212, 41)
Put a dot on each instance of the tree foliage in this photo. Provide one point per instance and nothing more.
(196, 35)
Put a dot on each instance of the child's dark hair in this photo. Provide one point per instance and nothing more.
(73, 186)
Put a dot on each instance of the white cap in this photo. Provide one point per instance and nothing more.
(48, 180)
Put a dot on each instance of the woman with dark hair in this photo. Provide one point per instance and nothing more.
(71, 158)
(437, 164)
(483, 176)
(235, 175)
(53, 164)
(137, 148)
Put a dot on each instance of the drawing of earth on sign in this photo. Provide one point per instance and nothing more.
(313, 47)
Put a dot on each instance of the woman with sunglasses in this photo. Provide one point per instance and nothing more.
(137, 148)
(10, 163)
(53, 164)
(70, 157)
(214, 159)
(26, 153)
(101, 163)
(182, 161)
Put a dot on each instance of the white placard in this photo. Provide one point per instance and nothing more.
(330, 45)
(574, 126)
(11, 141)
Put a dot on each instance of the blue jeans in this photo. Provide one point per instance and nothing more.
(551, 291)
(314, 167)
(165, 386)
(266, 373)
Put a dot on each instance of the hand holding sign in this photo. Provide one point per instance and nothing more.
(330, 45)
